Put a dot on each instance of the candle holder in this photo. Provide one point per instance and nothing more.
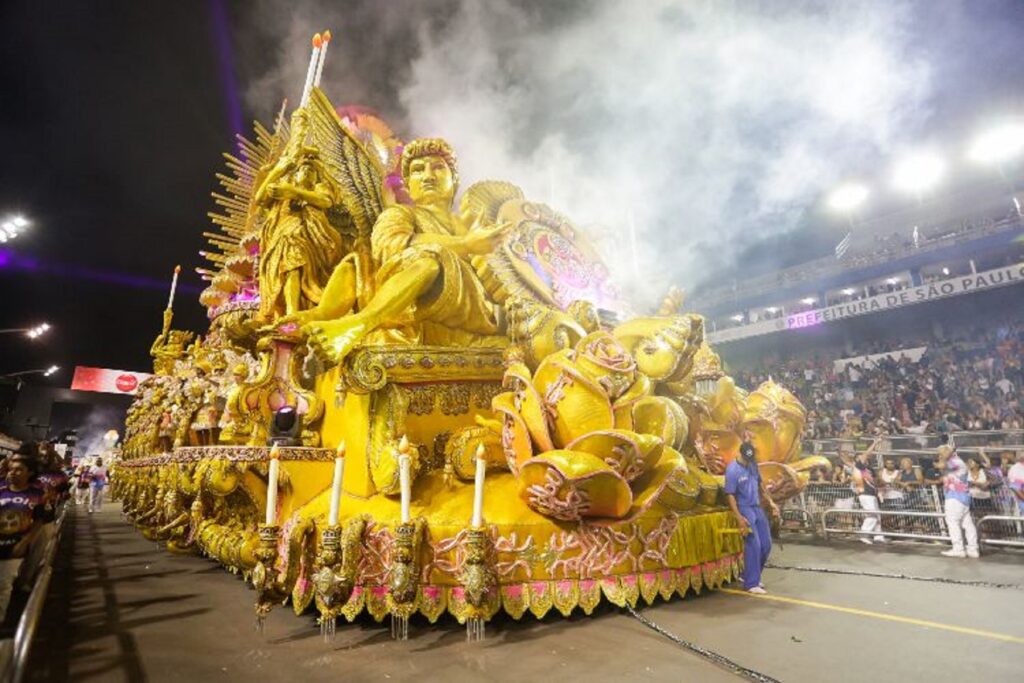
(338, 562)
(478, 580)
(404, 573)
(264, 574)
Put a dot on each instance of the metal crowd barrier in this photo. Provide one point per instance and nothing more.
(931, 526)
(1009, 530)
(14, 651)
(916, 514)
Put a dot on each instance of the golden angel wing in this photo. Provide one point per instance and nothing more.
(357, 171)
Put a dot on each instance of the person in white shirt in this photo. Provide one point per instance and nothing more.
(957, 504)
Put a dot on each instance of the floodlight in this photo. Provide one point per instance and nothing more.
(738, 317)
(11, 226)
(37, 331)
(919, 172)
(808, 300)
(50, 370)
(849, 291)
(848, 197)
(998, 145)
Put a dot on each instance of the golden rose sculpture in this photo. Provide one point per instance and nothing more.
(771, 414)
(587, 436)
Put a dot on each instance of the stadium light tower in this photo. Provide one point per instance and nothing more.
(45, 372)
(998, 145)
(19, 376)
(30, 332)
(919, 173)
(846, 198)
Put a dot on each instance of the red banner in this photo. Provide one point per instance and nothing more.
(107, 380)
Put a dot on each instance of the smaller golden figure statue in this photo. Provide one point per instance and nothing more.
(169, 347)
(298, 246)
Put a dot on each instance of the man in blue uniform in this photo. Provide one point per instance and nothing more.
(743, 489)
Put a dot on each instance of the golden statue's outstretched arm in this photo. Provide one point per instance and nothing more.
(478, 242)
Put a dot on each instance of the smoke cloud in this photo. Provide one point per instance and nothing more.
(101, 419)
(714, 123)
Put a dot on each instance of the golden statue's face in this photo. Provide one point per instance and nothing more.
(305, 176)
(430, 180)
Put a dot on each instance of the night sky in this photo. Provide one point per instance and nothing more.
(114, 117)
(113, 120)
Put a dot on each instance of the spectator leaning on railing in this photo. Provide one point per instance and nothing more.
(910, 482)
(981, 487)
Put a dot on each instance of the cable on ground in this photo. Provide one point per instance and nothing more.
(710, 655)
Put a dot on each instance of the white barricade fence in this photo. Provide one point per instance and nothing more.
(910, 513)
(1002, 530)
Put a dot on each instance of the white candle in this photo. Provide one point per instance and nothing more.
(174, 285)
(323, 56)
(310, 70)
(275, 466)
(478, 490)
(339, 475)
(404, 478)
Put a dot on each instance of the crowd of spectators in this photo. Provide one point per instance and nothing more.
(971, 384)
(33, 484)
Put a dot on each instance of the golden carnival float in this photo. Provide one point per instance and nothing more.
(405, 407)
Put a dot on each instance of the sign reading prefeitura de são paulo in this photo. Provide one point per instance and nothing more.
(965, 284)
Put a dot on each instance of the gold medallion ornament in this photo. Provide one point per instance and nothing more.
(505, 448)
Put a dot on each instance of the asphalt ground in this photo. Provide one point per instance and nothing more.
(123, 609)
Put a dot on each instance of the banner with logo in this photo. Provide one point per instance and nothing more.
(107, 380)
(964, 284)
